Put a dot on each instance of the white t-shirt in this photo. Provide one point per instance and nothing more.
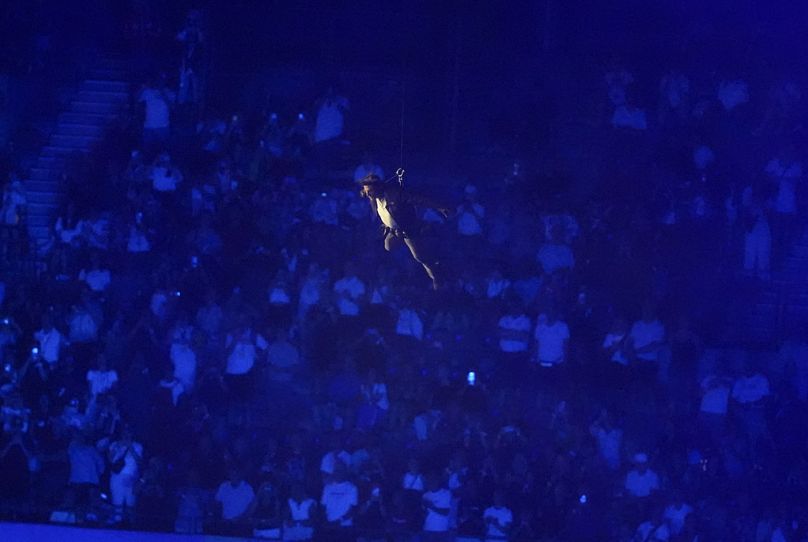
(501, 516)
(409, 324)
(157, 112)
(234, 500)
(350, 289)
(337, 499)
(101, 381)
(641, 485)
(751, 389)
(329, 462)
(555, 256)
(300, 511)
(330, 119)
(435, 522)
(130, 466)
(184, 360)
(413, 482)
(468, 219)
(165, 179)
(676, 517)
(516, 331)
(96, 279)
(715, 398)
(49, 344)
(137, 241)
(644, 333)
(608, 445)
(551, 339)
(244, 354)
(611, 340)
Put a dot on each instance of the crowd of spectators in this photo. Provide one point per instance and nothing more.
(219, 343)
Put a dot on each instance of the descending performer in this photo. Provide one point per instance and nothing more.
(396, 209)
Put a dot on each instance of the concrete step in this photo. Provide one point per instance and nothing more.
(114, 74)
(50, 162)
(39, 220)
(41, 209)
(96, 108)
(72, 117)
(42, 198)
(87, 130)
(39, 232)
(41, 186)
(73, 141)
(60, 152)
(104, 85)
(102, 96)
(45, 174)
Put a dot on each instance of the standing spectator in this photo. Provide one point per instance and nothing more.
(498, 518)
(641, 481)
(299, 524)
(339, 499)
(51, 342)
(234, 497)
(102, 379)
(86, 467)
(437, 502)
(157, 122)
(470, 215)
(330, 117)
(125, 456)
(552, 336)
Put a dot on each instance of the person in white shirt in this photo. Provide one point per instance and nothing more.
(125, 456)
(437, 502)
(349, 290)
(749, 393)
(234, 496)
(412, 479)
(715, 390)
(330, 117)
(50, 340)
(164, 175)
(514, 330)
(102, 379)
(552, 336)
(183, 358)
(641, 481)
(470, 214)
(609, 439)
(336, 456)
(242, 345)
(498, 518)
(157, 122)
(299, 524)
(409, 323)
(339, 500)
(675, 515)
(96, 277)
(282, 354)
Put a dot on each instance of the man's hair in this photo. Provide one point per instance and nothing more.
(370, 178)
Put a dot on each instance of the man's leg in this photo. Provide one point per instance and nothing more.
(423, 254)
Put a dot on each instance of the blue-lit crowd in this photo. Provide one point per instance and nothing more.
(216, 341)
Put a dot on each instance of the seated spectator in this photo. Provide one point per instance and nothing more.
(335, 458)
(412, 479)
(641, 481)
(84, 321)
(749, 393)
(609, 439)
(676, 514)
(282, 354)
(164, 175)
(86, 468)
(14, 203)
(470, 214)
(349, 290)
(299, 522)
(647, 340)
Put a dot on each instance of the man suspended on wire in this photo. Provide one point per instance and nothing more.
(396, 209)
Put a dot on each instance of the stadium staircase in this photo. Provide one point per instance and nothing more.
(98, 101)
